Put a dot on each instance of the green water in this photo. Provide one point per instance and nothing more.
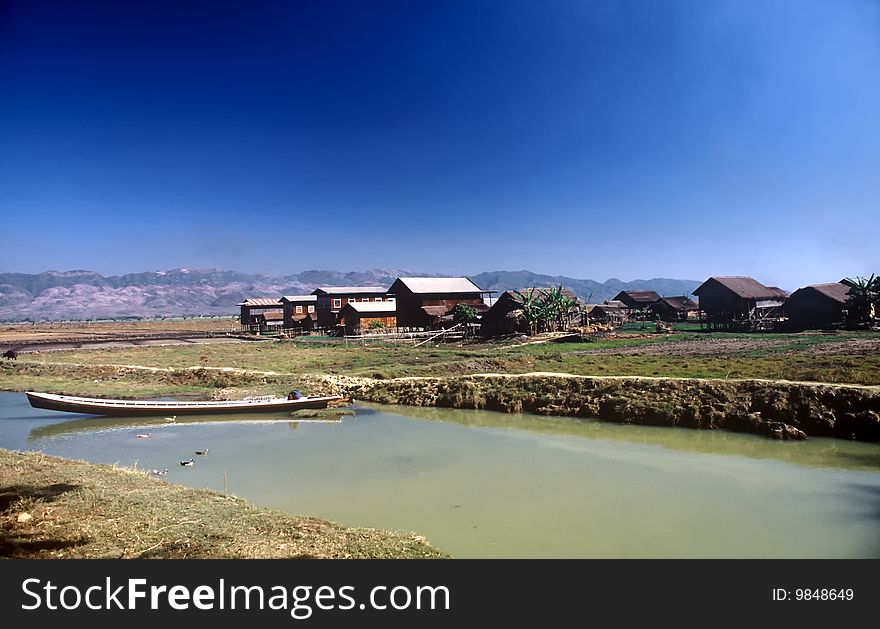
(483, 484)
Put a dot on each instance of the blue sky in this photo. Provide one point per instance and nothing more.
(593, 139)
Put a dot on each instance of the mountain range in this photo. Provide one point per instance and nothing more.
(84, 295)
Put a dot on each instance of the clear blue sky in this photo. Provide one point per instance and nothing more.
(594, 139)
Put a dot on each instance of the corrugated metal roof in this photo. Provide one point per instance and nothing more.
(435, 311)
(745, 287)
(260, 302)
(372, 306)
(292, 298)
(350, 290)
(274, 316)
(427, 285)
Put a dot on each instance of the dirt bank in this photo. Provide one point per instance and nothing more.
(57, 508)
(777, 409)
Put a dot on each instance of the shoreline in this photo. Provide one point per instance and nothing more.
(776, 409)
(59, 508)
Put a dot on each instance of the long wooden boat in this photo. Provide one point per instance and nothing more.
(145, 408)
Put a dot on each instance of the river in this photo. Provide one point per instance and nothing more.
(484, 484)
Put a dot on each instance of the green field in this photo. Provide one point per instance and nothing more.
(849, 357)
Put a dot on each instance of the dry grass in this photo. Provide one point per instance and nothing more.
(84, 331)
(56, 508)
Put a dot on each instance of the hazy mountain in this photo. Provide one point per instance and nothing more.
(57, 295)
(587, 290)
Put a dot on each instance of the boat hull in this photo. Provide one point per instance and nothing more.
(140, 408)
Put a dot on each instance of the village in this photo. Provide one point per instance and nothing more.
(417, 305)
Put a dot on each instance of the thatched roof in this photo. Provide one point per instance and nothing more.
(637, 298)
(681, 302)
(835, 291)
(745, 288)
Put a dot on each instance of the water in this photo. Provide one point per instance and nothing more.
(482, 484)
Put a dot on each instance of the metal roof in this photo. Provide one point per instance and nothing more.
(260, 302)
(745, 287)
(372, 306)
(430, 285)
(435, 311)
(350, 290)
(299, 298)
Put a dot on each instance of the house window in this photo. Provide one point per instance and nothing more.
(299, 310)
(311, 309)
(337, 302)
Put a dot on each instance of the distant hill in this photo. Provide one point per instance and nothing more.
(81, 295)
(586, 290)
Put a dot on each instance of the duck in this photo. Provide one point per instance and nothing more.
(202, 452)
(143, 435)
(161, 472)
(188, 463)
(173, 418)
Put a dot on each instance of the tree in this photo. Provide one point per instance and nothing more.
(530, 299)
(557, 306)
(545, 308)
(463, 313)
(376, 325)
(863, 301)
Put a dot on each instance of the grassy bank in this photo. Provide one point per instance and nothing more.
(781, 410)
(847, 358)
(56, 508)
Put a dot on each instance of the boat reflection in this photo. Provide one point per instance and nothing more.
(90, 423)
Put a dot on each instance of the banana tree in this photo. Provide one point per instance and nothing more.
(863, 301)
(532, 308)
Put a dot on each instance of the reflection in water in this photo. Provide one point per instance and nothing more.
(816, 451)
(97, 424)
(485, 484)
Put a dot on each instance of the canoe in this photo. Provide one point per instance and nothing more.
(145, 408)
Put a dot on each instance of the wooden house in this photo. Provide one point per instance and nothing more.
(610, 312)
(636, 299)
(739, 302)
(254, 311)
(331, 299)
(679, 308)
(505, 316)
(297, 311)
(816, 307)
(423, 301)
(637, 302)
(357, 317)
